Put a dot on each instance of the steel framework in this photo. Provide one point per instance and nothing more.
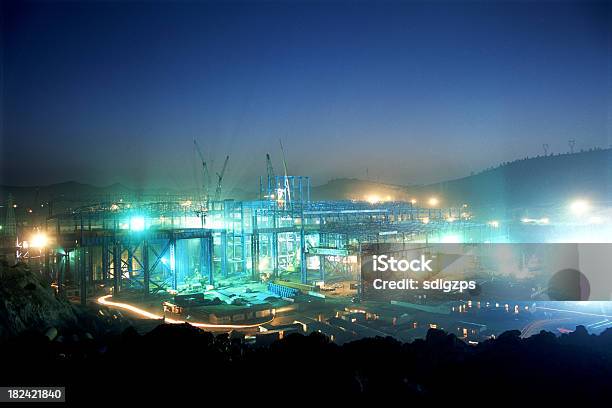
(171, 245)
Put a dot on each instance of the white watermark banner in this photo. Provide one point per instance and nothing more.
(520, 272)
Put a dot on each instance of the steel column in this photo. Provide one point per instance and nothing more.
(145, 267)
(116, 267)
(173, 262)
(223, 254)
(83, 271)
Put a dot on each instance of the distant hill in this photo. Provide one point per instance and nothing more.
(542, 180)
(548, 180)
(72, 194)
(70, 190)
(68, 195)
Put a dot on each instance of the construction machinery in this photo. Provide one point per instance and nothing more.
(271, 179)
(206, 182)
(220, 179)
(285, 189)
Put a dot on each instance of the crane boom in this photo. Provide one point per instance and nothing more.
(207, 181)
(220, 179)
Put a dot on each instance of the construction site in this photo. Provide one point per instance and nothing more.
(284, 262)
(227, 264)
(270, 200)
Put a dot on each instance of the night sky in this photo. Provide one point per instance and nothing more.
(414, 92)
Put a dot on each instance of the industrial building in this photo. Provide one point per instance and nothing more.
(184, 245)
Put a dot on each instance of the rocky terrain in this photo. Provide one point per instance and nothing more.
(29, 304)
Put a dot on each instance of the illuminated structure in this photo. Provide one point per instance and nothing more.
(182, 244)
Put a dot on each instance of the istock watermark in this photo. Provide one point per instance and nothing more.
(420, 272)
(383, 263)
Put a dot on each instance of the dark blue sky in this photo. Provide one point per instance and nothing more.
(416, 92)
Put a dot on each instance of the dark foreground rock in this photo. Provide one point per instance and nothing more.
(27, 303)
(178, 363)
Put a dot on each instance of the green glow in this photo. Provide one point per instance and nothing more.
(137, 223)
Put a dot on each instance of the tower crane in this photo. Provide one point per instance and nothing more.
(206, 182)
(286, 186)
(220, 179)
(271, 186)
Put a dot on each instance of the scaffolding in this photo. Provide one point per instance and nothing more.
(172, 245)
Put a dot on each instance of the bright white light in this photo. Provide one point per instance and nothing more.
(39, 240)
(413, 201)
(580, 207)
(264, 263)
(137, 223)
(540, 221)
(433, 201)
(373, 199)
(493, 224)
(450, 239)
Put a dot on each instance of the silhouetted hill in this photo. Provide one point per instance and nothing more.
(46, 341)
(31, 195)
(72, 191)
(178, 363)
(71, 194)
(535, 181)
(541, 180)
(552, 179)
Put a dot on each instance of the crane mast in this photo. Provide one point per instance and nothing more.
(287, 190)
(271, 186)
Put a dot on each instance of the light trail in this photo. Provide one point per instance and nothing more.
(602, 325)
(532, 327)
(103, 300)
(597, 323)
(574, 311)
